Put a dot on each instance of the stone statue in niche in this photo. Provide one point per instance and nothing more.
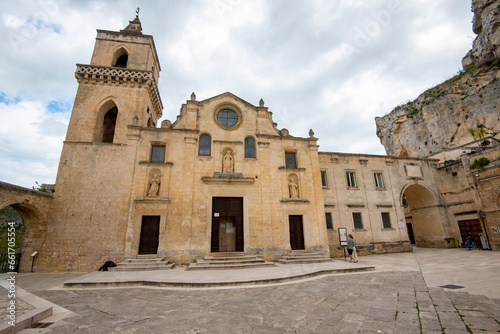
(154, 185)
(228, 163)
(294, 188)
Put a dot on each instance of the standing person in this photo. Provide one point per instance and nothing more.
(350, 247)
(354, 251)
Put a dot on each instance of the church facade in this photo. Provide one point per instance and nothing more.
(221, 178)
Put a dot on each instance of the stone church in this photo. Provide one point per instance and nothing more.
(221, 178)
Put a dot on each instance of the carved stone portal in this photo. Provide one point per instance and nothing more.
(293, 186)
(154, 183)
(228, 162)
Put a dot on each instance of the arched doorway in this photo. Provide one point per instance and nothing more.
(426, 219)
(11, 233)
(30, 230)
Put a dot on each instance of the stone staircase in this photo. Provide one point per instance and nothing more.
(142, 263)
(229, 260)
(302, 256)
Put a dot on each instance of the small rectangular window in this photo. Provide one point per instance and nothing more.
(351, 180)
(386, 220)
(158, 154)
(358, 222)
(328, 217)
(323, 179)
(378, 180)
(290, 160)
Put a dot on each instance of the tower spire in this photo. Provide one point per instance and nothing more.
(134, 27)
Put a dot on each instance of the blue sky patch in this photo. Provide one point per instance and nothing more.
(40, 24)
(5, 99)
(58, 107)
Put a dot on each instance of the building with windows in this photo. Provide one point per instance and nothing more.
(221, 178)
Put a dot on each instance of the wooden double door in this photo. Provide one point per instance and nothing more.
(472, 227)
(227, 224)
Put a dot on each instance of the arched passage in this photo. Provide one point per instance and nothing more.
(426, 220)
(30, 230)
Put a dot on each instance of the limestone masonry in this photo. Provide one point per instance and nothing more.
(223, 177)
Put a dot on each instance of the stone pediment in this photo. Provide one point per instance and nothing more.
(225, 96)
(226, 112)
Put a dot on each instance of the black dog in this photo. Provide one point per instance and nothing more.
(106, 265)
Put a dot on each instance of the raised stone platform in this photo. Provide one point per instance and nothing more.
(180, 277)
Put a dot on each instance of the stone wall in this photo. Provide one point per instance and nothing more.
(414, 178)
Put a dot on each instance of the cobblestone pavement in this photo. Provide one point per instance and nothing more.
(377, 302)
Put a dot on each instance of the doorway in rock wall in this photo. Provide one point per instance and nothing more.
(227, 224)
(150, 232)
(472, 227)
(296, 232)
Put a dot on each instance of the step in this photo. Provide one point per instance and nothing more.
(205, 266)
(141, 263)
(228, 258)
(304, 261)
(146, 256)
(303, 257)
(298, 257)
(230, 262)
(141, 268)
(121, 264)
(227, 254)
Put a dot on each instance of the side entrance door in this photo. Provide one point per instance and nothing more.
(409, 228)
(296, 232)
(150, 231)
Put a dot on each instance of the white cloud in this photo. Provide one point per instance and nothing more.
(30, 142)
(290, 53)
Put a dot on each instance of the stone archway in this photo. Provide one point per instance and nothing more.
(425, 216)
(33, 207)
(33, 237)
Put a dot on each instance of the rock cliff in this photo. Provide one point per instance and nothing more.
(486, 24)
(441, 116)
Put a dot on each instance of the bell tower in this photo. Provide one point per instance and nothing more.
(118, 88)
(117, 98)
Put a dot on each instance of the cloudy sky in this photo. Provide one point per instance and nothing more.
(329, 65)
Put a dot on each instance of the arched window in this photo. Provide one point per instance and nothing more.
(120, 58)
(205, 146)
(122, 61)
(108, 125)
(249, 147)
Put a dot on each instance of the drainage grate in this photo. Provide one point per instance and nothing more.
(41, 324)
(451, 286)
